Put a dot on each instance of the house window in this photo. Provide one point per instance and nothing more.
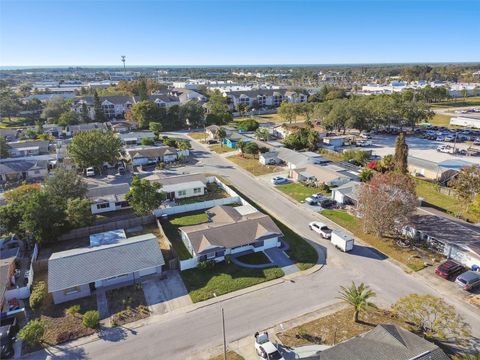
(182, 192)
(197, 190)
(258, 244)
(71, 290)
(103, 206)
(211, 255)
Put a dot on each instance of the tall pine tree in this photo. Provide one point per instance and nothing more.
(401, 154)
(97, 106)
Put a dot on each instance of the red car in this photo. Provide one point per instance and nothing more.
(449, 269)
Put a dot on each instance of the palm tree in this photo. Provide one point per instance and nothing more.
(358, 297)
(241, 146)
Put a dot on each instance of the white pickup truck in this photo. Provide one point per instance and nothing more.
(342, 241)
(265, 349)
(321, 229)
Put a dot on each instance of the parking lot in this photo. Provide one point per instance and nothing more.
(420, 148)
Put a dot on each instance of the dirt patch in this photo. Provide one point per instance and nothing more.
(127, 304)
(336, 327)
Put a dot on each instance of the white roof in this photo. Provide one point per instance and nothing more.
(183, 186)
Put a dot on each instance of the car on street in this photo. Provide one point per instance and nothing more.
(449, 269)
(446, 149)
(265, 349)
(7, 333)
(469, 280)
(90, 171)
(121, 170)
(321, 229)
(278, 180)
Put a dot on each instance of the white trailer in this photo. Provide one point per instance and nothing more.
(342, 241)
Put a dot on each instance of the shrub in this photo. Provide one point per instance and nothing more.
(32, 332)
(91, 319)
(206, 265)
(72, 310)
(38, 294)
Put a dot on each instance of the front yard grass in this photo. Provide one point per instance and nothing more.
(448, 203)
(127, 304)
(252, 165)
(337, 327)
(255, 258)
(224, 278)
(298, 191)
(231, 355)
(408, 257)
(219, 149)
(201, 136)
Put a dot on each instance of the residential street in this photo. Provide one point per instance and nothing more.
(179, 335)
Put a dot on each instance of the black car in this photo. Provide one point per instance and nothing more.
(6, 341)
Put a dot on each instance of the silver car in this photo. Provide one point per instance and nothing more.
(468, 280)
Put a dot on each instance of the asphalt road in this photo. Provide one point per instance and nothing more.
(181, 335)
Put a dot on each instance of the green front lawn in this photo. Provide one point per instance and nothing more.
(448, 203)
(298, 191)
(171, 226)
(252, 165)
(300, 252)
(224, 278)
(387, 246)
(255, 258)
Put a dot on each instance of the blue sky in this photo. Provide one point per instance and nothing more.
(237, 32)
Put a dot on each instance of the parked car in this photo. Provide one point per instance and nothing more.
(446, 149)
(327, 203)
(365, 135)
(342, 241)
(278, 180)
(449, 138)
(265, 349)
(210, 142)
(449, 269)
(314, 199)
(363, 143)
(468, 280)
(321, 229)
(121, 170)
(90, 171)
(6, 340)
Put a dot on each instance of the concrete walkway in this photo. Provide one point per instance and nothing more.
(280, 258)
(102, 303)
(234, 259)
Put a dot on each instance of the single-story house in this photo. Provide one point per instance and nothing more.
(451, 238)
(73, 274)
(232, 140)
(19, 170)
(7, 272)
(443, 171)
(295, 159)
(108, 198)
(230, 232)
(72, 130)
(269, 158)
(122, 126)
(27, 148)
(319, 173)
(182, 186)
(335, 142)
(385, 341)
(144, 155)
(135, 138)
(346, 193)
(212, 131)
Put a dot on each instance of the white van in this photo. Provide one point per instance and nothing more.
(342, 241)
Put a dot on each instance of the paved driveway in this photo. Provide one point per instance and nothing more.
(281, 259)
(164, 295)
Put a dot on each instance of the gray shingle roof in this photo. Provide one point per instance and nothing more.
(76, 267)
(115, 191)
(385, 342)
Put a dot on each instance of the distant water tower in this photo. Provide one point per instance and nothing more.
(123, 61)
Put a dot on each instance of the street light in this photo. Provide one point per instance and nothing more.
(223, 332)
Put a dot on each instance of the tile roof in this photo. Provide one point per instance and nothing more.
(76, 267)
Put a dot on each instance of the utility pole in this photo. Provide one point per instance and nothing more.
(224, 338)
(124, 68)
